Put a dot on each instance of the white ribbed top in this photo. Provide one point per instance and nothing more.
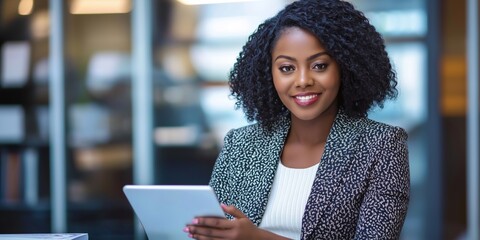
(286, 203)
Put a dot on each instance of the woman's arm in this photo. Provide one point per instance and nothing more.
(385, 203)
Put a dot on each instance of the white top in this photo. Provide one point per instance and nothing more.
(288, 198)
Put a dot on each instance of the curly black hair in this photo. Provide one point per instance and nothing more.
(367, 77)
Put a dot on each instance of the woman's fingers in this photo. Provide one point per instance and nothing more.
(200, 231)
(209, 228)
(221, 228)
(213, 222)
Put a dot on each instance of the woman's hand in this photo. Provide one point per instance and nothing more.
(220, 228)
(209, 228)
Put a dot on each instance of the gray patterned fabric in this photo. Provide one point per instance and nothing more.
(361, 189)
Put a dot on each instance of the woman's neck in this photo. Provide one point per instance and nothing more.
(312, 132)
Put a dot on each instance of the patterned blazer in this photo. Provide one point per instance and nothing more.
(361, 188)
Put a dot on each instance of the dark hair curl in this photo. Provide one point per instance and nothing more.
(367, 77)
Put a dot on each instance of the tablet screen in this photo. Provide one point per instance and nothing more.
(164, 210)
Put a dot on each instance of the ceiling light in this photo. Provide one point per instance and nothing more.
(100, 7)
(199, 2)
(25, 7)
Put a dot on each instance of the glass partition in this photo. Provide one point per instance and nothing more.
(98, 114)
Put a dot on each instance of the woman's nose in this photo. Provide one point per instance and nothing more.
(304, 79)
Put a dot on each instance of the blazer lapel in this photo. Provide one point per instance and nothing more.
(266, 173)
(339, 151)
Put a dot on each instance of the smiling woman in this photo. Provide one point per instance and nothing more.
(313, 166)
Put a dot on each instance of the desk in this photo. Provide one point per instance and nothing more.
(53, 236)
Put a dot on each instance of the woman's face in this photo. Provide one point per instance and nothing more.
(306, 78)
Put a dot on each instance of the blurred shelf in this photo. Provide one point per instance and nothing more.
(25, 218)
(41, 206)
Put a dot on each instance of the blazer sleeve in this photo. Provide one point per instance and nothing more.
(220, 173)
(385, 203)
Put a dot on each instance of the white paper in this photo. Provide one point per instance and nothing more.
(11, 124)
(15, 63)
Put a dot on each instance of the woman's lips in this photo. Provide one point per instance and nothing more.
(306, 99)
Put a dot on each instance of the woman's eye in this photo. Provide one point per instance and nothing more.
(320, 66)
(286, 68)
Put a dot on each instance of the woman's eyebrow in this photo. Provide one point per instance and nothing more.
(284, 56)
(317, 55)
(309, 58)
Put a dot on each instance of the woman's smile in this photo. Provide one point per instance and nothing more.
(306, 99)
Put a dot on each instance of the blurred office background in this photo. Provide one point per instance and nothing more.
(95, 95)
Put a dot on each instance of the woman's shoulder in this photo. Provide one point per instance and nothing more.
(255, 133)
(382, 125)
(376, 128)
(248, 129)
(370, 127)
(257, 130)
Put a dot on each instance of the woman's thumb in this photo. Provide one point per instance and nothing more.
(232, 210)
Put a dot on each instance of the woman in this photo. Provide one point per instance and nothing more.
(313, 166)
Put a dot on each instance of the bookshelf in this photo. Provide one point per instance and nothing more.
(81, 192)
(24, 141)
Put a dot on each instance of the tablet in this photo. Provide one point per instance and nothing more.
(164, 210)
